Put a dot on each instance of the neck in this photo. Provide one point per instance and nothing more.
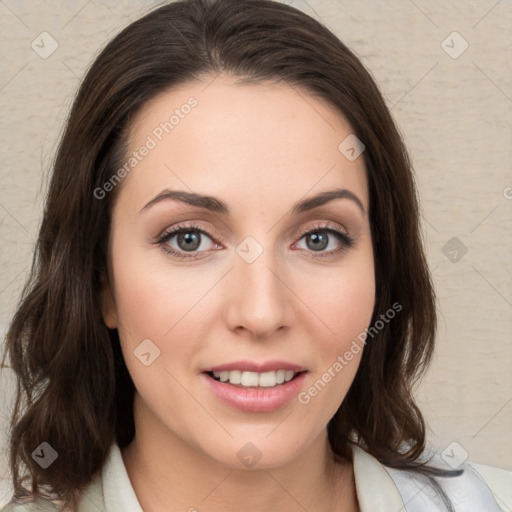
(181, 477)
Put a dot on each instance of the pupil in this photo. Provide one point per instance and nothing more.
(319, 241)
(190, 237)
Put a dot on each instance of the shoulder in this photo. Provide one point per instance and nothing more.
(499, 482)
(110, 490)
(37, 505)
(91, 500)
(473, 488)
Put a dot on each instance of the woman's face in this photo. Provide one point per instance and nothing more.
(241, 290)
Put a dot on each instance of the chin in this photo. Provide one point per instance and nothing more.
(255, 452)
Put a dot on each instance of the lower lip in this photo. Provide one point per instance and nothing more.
(255, 399)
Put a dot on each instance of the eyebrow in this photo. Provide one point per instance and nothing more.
(218, 206)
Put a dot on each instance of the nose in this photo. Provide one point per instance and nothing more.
(258, 296)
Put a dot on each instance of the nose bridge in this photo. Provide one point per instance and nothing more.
(260, 301)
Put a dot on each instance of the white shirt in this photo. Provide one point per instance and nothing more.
(379, 489)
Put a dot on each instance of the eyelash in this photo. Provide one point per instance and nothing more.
(346, 241)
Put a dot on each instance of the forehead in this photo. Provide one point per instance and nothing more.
(236, 141)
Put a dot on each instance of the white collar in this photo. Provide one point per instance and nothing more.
(376, 490)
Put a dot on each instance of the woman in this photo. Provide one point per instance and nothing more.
(230, 301)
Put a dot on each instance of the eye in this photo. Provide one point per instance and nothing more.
(188, 241)
(322, 237)
(181, 240)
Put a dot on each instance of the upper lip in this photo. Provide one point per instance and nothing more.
(255, 366)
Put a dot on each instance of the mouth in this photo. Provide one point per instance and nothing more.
(245, 379)
(252, 387)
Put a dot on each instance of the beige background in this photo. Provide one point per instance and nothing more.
(455, 115)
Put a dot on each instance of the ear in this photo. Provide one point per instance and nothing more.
(108, 306)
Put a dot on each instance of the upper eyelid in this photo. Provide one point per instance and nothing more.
(327, 225)
(190, 227)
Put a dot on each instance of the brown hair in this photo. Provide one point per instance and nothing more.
(73, 388)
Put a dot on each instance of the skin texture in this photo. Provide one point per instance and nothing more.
(260, 148)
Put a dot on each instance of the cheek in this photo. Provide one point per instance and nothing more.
(153, 299)
(158, 311)
(342, 299)
(350, 307)
(164, 310)
(343, 303)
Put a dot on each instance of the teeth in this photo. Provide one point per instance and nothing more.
(250, 379)
(253, 379)
(267, 379)
(288, 375)
(235, 377)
